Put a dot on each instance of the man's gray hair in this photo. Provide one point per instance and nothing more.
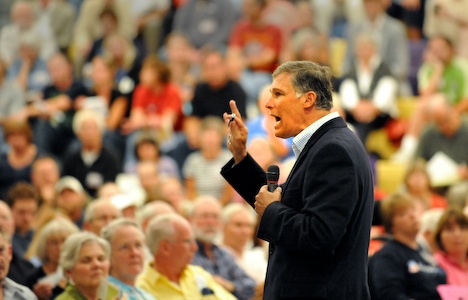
(108, 231)
(160, 228)
(73, 244)
(233, 208)
(90, 211)
(308, 76)
(88, 114)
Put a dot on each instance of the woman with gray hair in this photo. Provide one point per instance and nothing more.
(47, 281)
(85, 261)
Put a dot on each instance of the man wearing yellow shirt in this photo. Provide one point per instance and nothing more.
(169, 276)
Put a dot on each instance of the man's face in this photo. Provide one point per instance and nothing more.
(215, 70)
(5, 257)
(23, 212)
(127, 252)
(182, 246)
(45, 172)
(103, 215)
(239, 229)
(6, 220)
(70, 201)
(286, 107)
(206, 221)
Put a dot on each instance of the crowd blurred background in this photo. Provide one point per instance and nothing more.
(112, 109)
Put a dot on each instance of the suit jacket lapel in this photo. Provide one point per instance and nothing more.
(333, 123)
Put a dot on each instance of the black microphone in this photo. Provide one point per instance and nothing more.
(272, 177)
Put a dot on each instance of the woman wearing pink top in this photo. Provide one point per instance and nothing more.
(451, 236)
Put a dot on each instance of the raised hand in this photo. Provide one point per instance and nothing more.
(237, 133)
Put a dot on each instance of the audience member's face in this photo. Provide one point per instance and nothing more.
(210, 141)
(285, 107)
(89, 133)
(365, 50)
(148, 76)
(206, 221)
(108, 23)
(45, 172)
(215, 71)
(91, 267)
(454, 238)
(440, 49)
(104, 213)
(59, 69)
(17, 140)
(373, 8)
(70, 201)
(101, 73)
(24, 211)
(54, 246)
(127, 252)
(23, 15)
(172, 191)
(148, 175)
(183, 246)
(418, 182)
(5, 257)
(309, 50)
(178, 50)
(446, 121)
(239, 229)
(406, 222)
(7, 224)
(147, 151)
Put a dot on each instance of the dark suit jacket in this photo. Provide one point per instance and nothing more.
(319, 232)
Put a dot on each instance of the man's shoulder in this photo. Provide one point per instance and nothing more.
(18, 291)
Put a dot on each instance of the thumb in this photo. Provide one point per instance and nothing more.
(279, 190)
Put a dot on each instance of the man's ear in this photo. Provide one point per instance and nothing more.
(309, 99)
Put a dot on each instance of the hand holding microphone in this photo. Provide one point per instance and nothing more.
(272, 177)
(268, 193)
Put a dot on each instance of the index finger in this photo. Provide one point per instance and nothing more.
(234, 109)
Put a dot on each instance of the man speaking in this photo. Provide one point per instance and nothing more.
(317, 222)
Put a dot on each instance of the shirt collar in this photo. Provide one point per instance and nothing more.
(303, 137)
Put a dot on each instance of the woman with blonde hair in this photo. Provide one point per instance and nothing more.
(85, 262)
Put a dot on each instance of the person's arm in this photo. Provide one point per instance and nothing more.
(390, 283)
(385, 94)
(116, 113)
(329, 193)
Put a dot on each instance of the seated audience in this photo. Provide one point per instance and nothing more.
(448, 134)
(71, 199)
(23, 201)
(147, 149)
(98, 214)
(156, 104)
(201, 168)
(93, 164)
(369, 90)
(441, 72)
(85, 261)
(206, 223)
(417, 183)
(50, 240)
(169, 275)
(52, 114)
(18, 266)
(239, 222)
(13, 100)
(9, 288)
(45, 174)
(127, 245)
(254, 49)
(23, 19)
(399, 270)
(16, 163)
(451, 236)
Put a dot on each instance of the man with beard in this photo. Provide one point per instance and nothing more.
(206, 224)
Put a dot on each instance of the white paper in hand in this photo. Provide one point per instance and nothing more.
(443, 170)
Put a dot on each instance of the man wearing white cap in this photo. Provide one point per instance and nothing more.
(71, 199)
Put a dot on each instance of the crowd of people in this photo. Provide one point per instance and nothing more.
(111, 124)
